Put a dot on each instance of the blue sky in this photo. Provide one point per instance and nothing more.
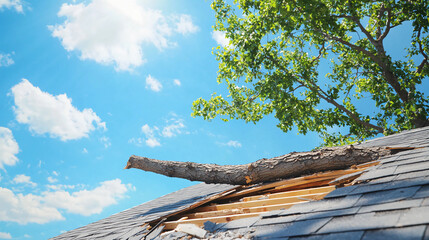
(86, 84)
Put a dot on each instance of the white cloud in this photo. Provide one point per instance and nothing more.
(22, 178)
(153, 84)
(41, 209)
(4, 235)
(152, 142)
(45, 113)
(25, 209)
(177, 82)
(55, 173)
(235, 144)
(149, 132)
(8, 148)
(57, 187)
(52, 180)
(87, 202)
(173, 129)
(11, 4)
(136, 141)
(220, 38)
(5, 59)
(185, 25)
(106, 141)
(231, 143)
(114, 32)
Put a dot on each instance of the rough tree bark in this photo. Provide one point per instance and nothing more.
(290, 165)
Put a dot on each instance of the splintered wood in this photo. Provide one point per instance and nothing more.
(251, 201)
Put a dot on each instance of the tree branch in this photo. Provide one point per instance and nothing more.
(314, 87)
(264, 170)
(388, 27)
(353, 46)
(362, 28)
(367, 125)
(425, 56)
(388, 75)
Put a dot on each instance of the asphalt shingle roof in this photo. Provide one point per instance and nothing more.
(390, 202)
(128, 224)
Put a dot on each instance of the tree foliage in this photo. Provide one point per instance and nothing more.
(278, 49)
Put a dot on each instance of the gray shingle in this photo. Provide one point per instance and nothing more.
(298, 209)
(425, 202)
(386, 196)
(377, 173)
(412, 167)
(323, 205)
(391, 206)
(409, 233)
(409, 175)
(360, 222)
(241, 223)
(367, 188)
(267, 231)
(382, 180)
(296, 228)
(411, 159)
(414, 216)
(332, 213)
(407, 183)
(356, 235)
(422, 192)
(132, 232)
(388, 159)
(276, 220)
(426, 236)
(336, 203)
(339, 192)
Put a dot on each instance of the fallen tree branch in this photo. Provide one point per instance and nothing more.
(264, 170)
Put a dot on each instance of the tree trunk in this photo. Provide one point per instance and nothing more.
(290, 165)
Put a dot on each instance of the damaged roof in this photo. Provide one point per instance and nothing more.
(387, 201)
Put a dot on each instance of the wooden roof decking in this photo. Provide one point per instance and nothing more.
(251, 201)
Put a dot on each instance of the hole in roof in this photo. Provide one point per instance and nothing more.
(251, 201)
(254, 200)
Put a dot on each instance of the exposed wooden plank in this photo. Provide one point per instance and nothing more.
(234, 211)
(304, 184)
(197, 204)
(264, 202)
(200, 221)
(315, 177)
(326, 189)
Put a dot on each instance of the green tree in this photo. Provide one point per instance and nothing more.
(278, 47)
